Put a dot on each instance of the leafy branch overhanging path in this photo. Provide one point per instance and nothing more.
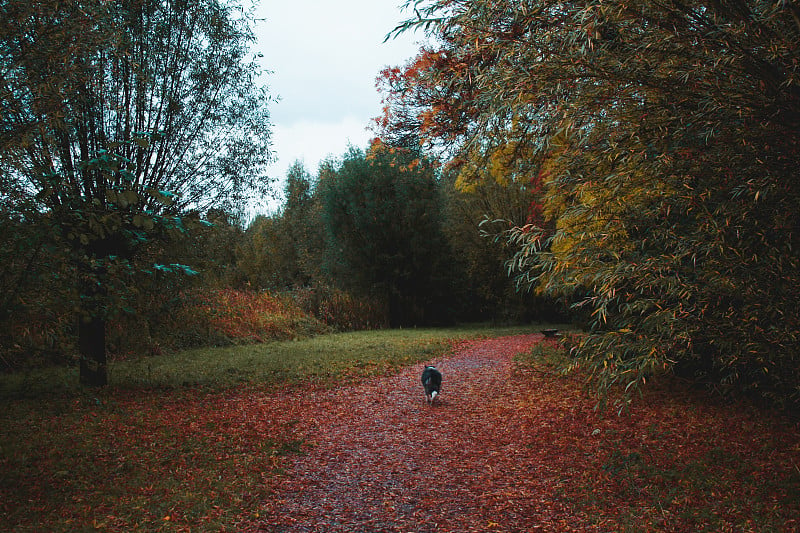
(505, 450)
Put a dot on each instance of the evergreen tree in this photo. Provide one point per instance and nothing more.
(382, 214)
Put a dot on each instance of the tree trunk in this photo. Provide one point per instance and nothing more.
(92, 347)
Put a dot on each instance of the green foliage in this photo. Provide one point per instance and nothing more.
(663, 137)
(35, 294)
(291, 251)
(302, 224)
(382, 212)
(265, 254)
(476, 211)
(284, 251)
(211, 246)
(119, 117)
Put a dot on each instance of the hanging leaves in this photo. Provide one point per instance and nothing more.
(662, 141)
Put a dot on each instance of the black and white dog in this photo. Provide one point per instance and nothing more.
(432, 381)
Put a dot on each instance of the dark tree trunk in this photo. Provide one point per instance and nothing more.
(92, 347)
(92, 321)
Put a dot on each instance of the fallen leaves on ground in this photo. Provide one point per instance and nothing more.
(506, 448)
(519, 450)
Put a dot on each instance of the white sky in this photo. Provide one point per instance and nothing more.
(324, 56)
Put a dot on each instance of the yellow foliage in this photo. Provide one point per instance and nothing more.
(509, 161)
(465, 184)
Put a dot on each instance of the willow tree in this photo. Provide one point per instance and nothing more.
(120, 116)
(664, 138)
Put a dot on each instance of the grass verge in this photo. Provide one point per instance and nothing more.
(331, 358)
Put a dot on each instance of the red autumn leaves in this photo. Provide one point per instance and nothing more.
(514, 450)
(507, 447)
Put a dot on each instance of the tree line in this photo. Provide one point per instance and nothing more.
(134, 133)
(384, 224)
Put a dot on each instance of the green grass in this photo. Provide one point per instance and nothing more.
(165, 447)
(323, 358)
(327, 358)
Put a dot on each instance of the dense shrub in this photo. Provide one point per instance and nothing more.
(216, 317)
(163, 322)
(339, 309)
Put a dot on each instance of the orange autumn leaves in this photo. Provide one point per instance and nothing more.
(512, 447)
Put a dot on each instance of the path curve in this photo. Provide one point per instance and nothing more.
(383, 460)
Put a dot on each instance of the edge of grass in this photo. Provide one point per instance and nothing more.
(325, 358)
(122, 457)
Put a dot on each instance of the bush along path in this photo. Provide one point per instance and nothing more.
(515, 448)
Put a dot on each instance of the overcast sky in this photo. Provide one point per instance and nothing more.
(324, 56)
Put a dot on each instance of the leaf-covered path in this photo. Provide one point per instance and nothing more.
(504, 450)
(511, 447)
(384, 460)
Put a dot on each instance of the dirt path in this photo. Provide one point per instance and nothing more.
(383, 460)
